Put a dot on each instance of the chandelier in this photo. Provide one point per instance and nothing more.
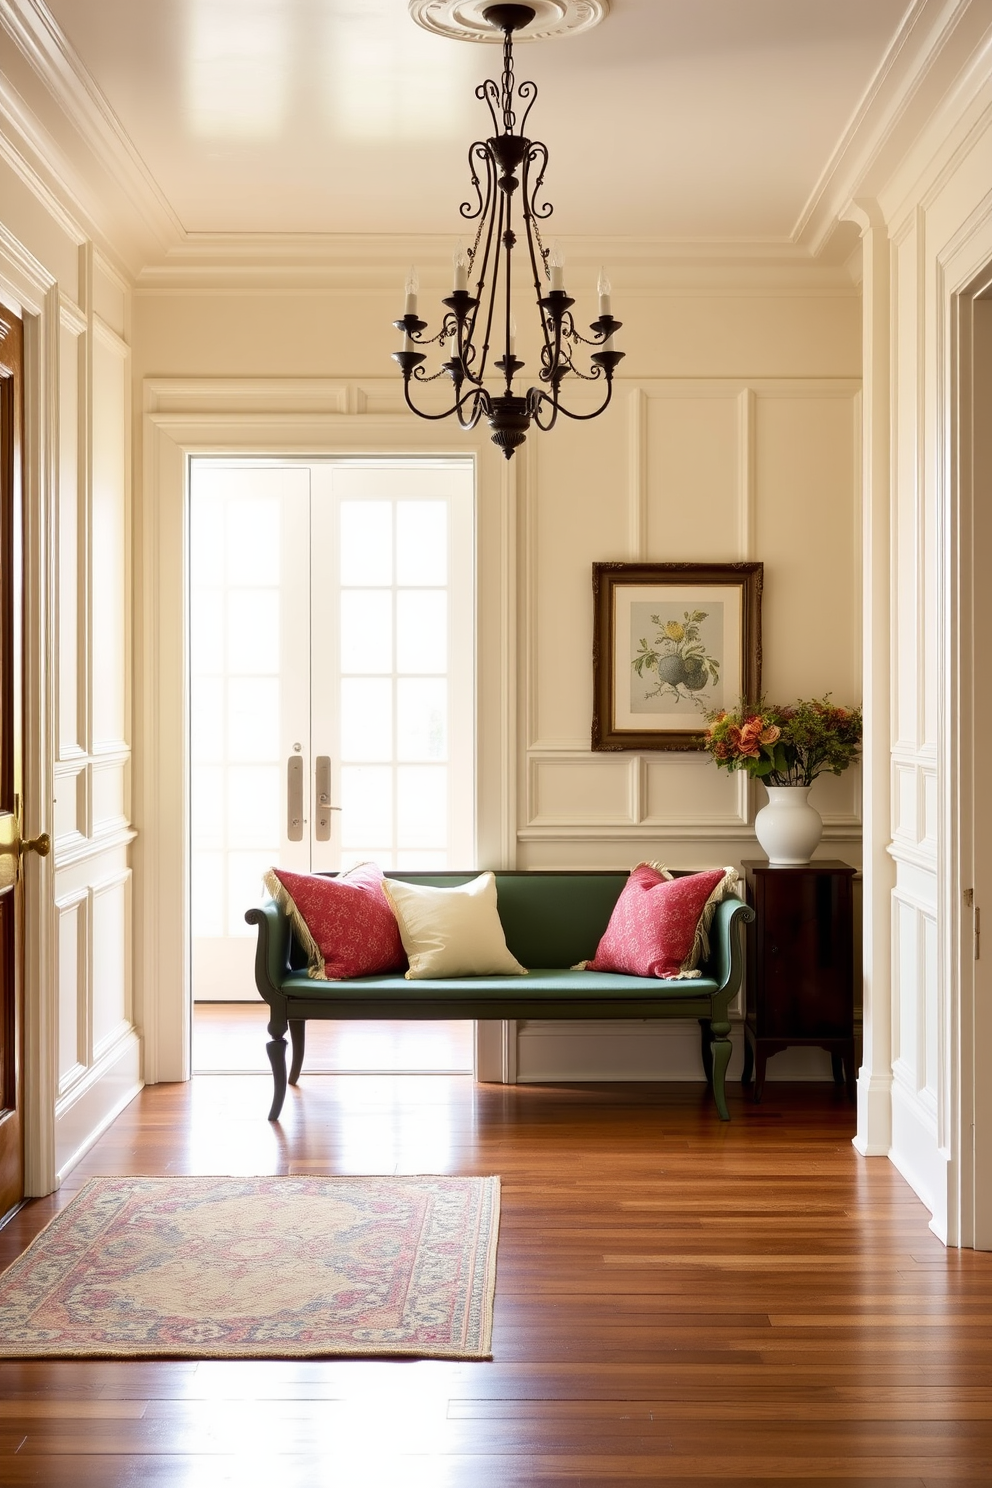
(507, 176)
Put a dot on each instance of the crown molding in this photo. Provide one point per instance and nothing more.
(105, 191)
(933, 48)
(153, 226)
(372, 263)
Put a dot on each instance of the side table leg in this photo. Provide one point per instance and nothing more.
(760, 1062)
(748, 1070)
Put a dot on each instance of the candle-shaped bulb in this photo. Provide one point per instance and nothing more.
(461, 267)
(513, 336)
(453, 349)
(604, 288)
(412, 286)
(556, 263)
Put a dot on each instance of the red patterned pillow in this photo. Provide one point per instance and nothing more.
(344, 924)
(657, 924)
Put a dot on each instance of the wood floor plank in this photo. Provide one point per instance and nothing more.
(679, 1301)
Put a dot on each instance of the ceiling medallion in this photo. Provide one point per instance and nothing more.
(465, 20)
(478, 318)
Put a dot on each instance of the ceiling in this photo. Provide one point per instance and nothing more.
(675, 119)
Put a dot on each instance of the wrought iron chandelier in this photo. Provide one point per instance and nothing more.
(477, 320)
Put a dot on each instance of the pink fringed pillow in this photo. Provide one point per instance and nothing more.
(658, 925)
(345, 925)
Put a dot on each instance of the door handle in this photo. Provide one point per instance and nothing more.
(42, 845)
(322, 783)
(13, 846)
(294, 798)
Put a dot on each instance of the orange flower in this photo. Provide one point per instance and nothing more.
(748, 739)
(771, 734)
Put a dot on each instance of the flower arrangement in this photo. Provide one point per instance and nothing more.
(785, 745)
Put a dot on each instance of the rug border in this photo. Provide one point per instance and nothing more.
(482, 1355)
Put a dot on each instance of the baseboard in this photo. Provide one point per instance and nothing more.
(548, 1052)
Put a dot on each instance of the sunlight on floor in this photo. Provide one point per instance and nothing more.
(230, 1038)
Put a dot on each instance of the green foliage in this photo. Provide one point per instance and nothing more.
(785, 745)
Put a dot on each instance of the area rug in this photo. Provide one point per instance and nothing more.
(259, 1268)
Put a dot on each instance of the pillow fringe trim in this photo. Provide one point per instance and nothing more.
(316, 968)
(725, 889)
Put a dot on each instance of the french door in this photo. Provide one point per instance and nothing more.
(331, 681)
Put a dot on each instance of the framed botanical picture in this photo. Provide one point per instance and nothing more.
(671, 642)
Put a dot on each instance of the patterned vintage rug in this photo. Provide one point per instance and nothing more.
(259, 1268)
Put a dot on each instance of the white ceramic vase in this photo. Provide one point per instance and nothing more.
(788, 828)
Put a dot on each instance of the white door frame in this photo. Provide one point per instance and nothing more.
(969, 857)
(280, 417)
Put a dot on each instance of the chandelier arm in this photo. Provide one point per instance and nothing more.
(542, 397)
(535, 248)
(538, 151)
(495, 231)
(527, 93)
(536, 398)
(478, 396)
(480, 402)
(466, 339)
(479, 151)
(489, 93)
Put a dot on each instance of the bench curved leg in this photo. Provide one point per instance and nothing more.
(720, 1050)
(705, 1035)
(298, 1037)
(276, 1050)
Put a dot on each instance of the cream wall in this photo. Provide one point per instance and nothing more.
(82, 1049)
(734, 434)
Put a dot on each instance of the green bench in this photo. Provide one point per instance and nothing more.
(551, 921)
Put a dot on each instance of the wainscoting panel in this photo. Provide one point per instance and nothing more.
(109, 556)
(73, 983)
(577, 790)
(687, 790)
(110, 960)
(693, 466)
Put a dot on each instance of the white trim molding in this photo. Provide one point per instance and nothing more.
(294, 418)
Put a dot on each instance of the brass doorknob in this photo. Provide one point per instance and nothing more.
(42, 845)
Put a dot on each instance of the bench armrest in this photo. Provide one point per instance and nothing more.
(272, 950)
(727, 943)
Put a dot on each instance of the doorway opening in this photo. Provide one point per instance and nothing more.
(332, 706)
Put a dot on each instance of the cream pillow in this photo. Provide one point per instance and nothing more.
(451, 932)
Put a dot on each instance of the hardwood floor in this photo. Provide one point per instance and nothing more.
(679, 1301)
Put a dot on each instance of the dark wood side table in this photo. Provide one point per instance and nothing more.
(800, 965)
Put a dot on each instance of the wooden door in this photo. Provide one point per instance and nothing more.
(11, 904)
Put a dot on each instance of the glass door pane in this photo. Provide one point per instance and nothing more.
(393, 655)
(249, 703)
